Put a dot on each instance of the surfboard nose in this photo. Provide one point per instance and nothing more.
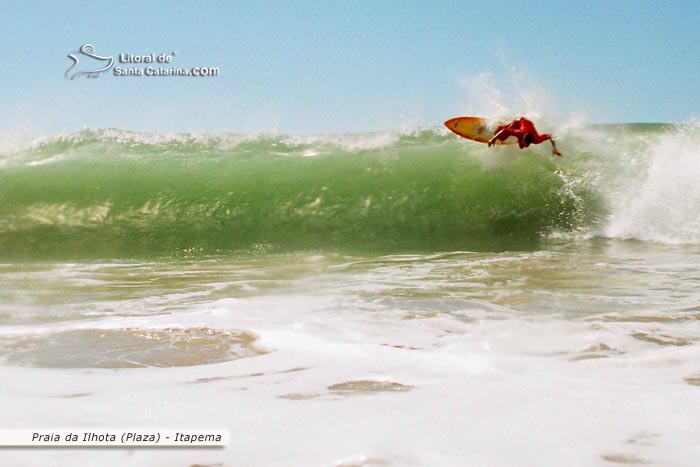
(452, 123)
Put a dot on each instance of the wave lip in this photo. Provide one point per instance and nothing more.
(110, 140)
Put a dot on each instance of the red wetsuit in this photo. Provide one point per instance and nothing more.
(519, 128)
(525, 131)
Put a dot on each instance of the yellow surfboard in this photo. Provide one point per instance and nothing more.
(477, 129)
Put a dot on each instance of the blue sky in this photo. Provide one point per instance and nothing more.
(319, 67)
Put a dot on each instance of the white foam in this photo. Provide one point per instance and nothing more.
(451, 360)
(662, 201)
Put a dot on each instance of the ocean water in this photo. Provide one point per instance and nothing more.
(393, 299)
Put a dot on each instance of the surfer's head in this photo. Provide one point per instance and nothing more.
(528, 139)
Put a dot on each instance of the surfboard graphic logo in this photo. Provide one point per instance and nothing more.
(87, 63)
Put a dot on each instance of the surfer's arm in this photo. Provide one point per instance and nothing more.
(541, 138)
(555, 151)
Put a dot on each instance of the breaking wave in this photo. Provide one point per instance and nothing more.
(118, 194)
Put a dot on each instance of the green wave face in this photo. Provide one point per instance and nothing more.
(111, 194)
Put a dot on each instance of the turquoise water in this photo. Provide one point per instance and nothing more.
(108, 194)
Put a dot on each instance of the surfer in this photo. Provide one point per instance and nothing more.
(525, 131)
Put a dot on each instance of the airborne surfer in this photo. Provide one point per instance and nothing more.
(525, 131)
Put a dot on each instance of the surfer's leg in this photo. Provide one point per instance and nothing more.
(500, 135)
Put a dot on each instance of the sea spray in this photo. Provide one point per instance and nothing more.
(662, 203)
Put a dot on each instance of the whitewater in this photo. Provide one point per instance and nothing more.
(386, 299)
